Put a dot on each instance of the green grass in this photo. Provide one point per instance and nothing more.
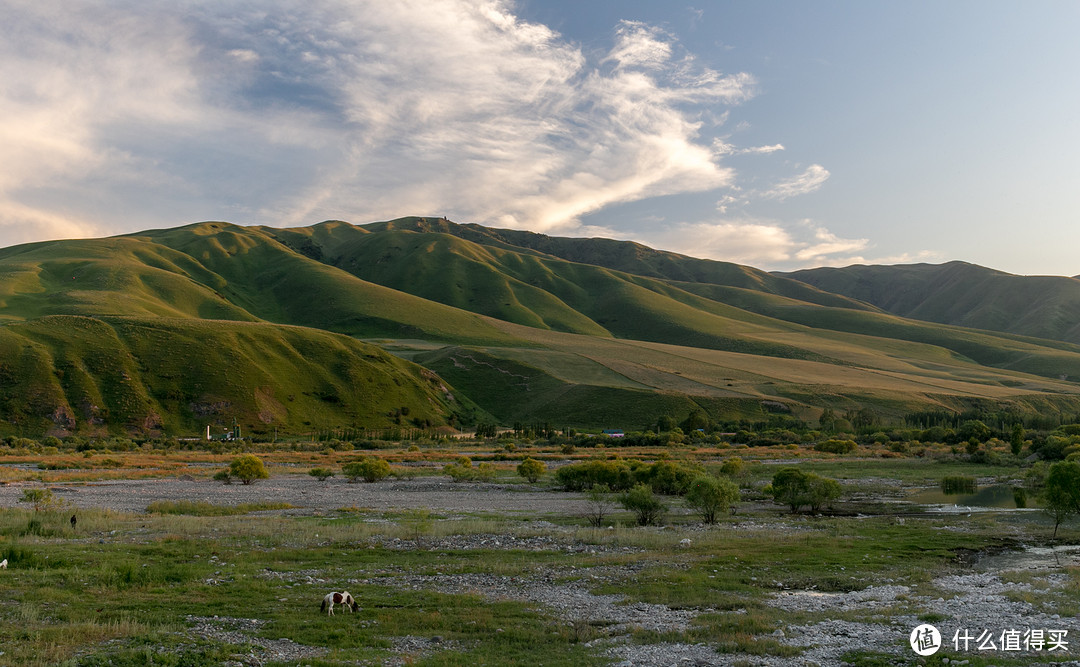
(177, 375)
(194, 508)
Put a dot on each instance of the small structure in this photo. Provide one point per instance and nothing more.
(234, 434)
(613, 432)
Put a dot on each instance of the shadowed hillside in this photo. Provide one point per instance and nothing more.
(962, 294)
(64, 374)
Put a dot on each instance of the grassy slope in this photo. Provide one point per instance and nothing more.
(177, 375)
(593, 345)
(478, 269)
(627, 257)
(277, 284)
(57, 369)
(962, 294)
(538, 291)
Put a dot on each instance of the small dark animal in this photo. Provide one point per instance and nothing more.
(342, 598)
(73, 522)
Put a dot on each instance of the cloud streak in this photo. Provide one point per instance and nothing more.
(123, 115)
(770, 245)
(810, 180)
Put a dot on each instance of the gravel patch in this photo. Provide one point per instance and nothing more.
(311, 496)
(241, 631)
(571, 601)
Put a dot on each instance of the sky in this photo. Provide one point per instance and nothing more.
(782, 134)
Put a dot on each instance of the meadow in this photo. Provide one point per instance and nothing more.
(213, 581)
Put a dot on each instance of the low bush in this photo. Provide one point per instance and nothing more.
(662, 477)
(711, 496)
(837, 446)
(531, 469)
(369, 469)
(647, 508)
(248, 468)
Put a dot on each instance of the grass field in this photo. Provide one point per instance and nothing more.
(198, 582)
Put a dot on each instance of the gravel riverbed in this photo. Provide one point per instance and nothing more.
(885, 612)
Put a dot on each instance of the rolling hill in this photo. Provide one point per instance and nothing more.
(962, 294)
(167, 330)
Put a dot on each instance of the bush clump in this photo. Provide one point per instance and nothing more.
(710, 496)
(248, 468)
(531, 469)
(663, 477)
(795, 488)
(321, 474)
(836, 446)
(647, 508)
(369, 469)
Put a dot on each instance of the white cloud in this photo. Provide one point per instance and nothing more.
(810, 180)
(722, 147)
(746, 242)
(828, 244)
(137, 114)
(759, 243)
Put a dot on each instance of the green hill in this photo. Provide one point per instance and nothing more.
(168, 330)
(962, 294)
(63, 374)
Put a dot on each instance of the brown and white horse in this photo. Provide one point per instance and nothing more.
(342, 598)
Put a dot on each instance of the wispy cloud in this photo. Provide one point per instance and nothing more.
(808, 181)
(124, 114)
(770, 245)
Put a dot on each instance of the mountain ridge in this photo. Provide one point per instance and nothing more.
(962, 294)
(502, 325)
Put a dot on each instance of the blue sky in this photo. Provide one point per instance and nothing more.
(777, 134)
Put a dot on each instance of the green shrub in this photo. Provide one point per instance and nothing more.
(821, 491)
(248, 468)
(460, 470)
(531, 469)
(733, 467)
(600, 501)
(41, 499)
(663, 476)
(321, 474)
(616, 475)
(369, 469)
(485, 472)
(710, 496)
(837, 446)
(647, 508)
(795, 488)
(223, 476)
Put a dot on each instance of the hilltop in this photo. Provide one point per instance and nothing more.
(289, 329)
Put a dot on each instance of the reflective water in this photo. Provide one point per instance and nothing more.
(995, 496)
(1034, 558)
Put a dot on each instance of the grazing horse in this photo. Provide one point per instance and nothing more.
(342, 598)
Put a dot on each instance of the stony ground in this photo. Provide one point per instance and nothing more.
(981, 599)
(310, 495)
